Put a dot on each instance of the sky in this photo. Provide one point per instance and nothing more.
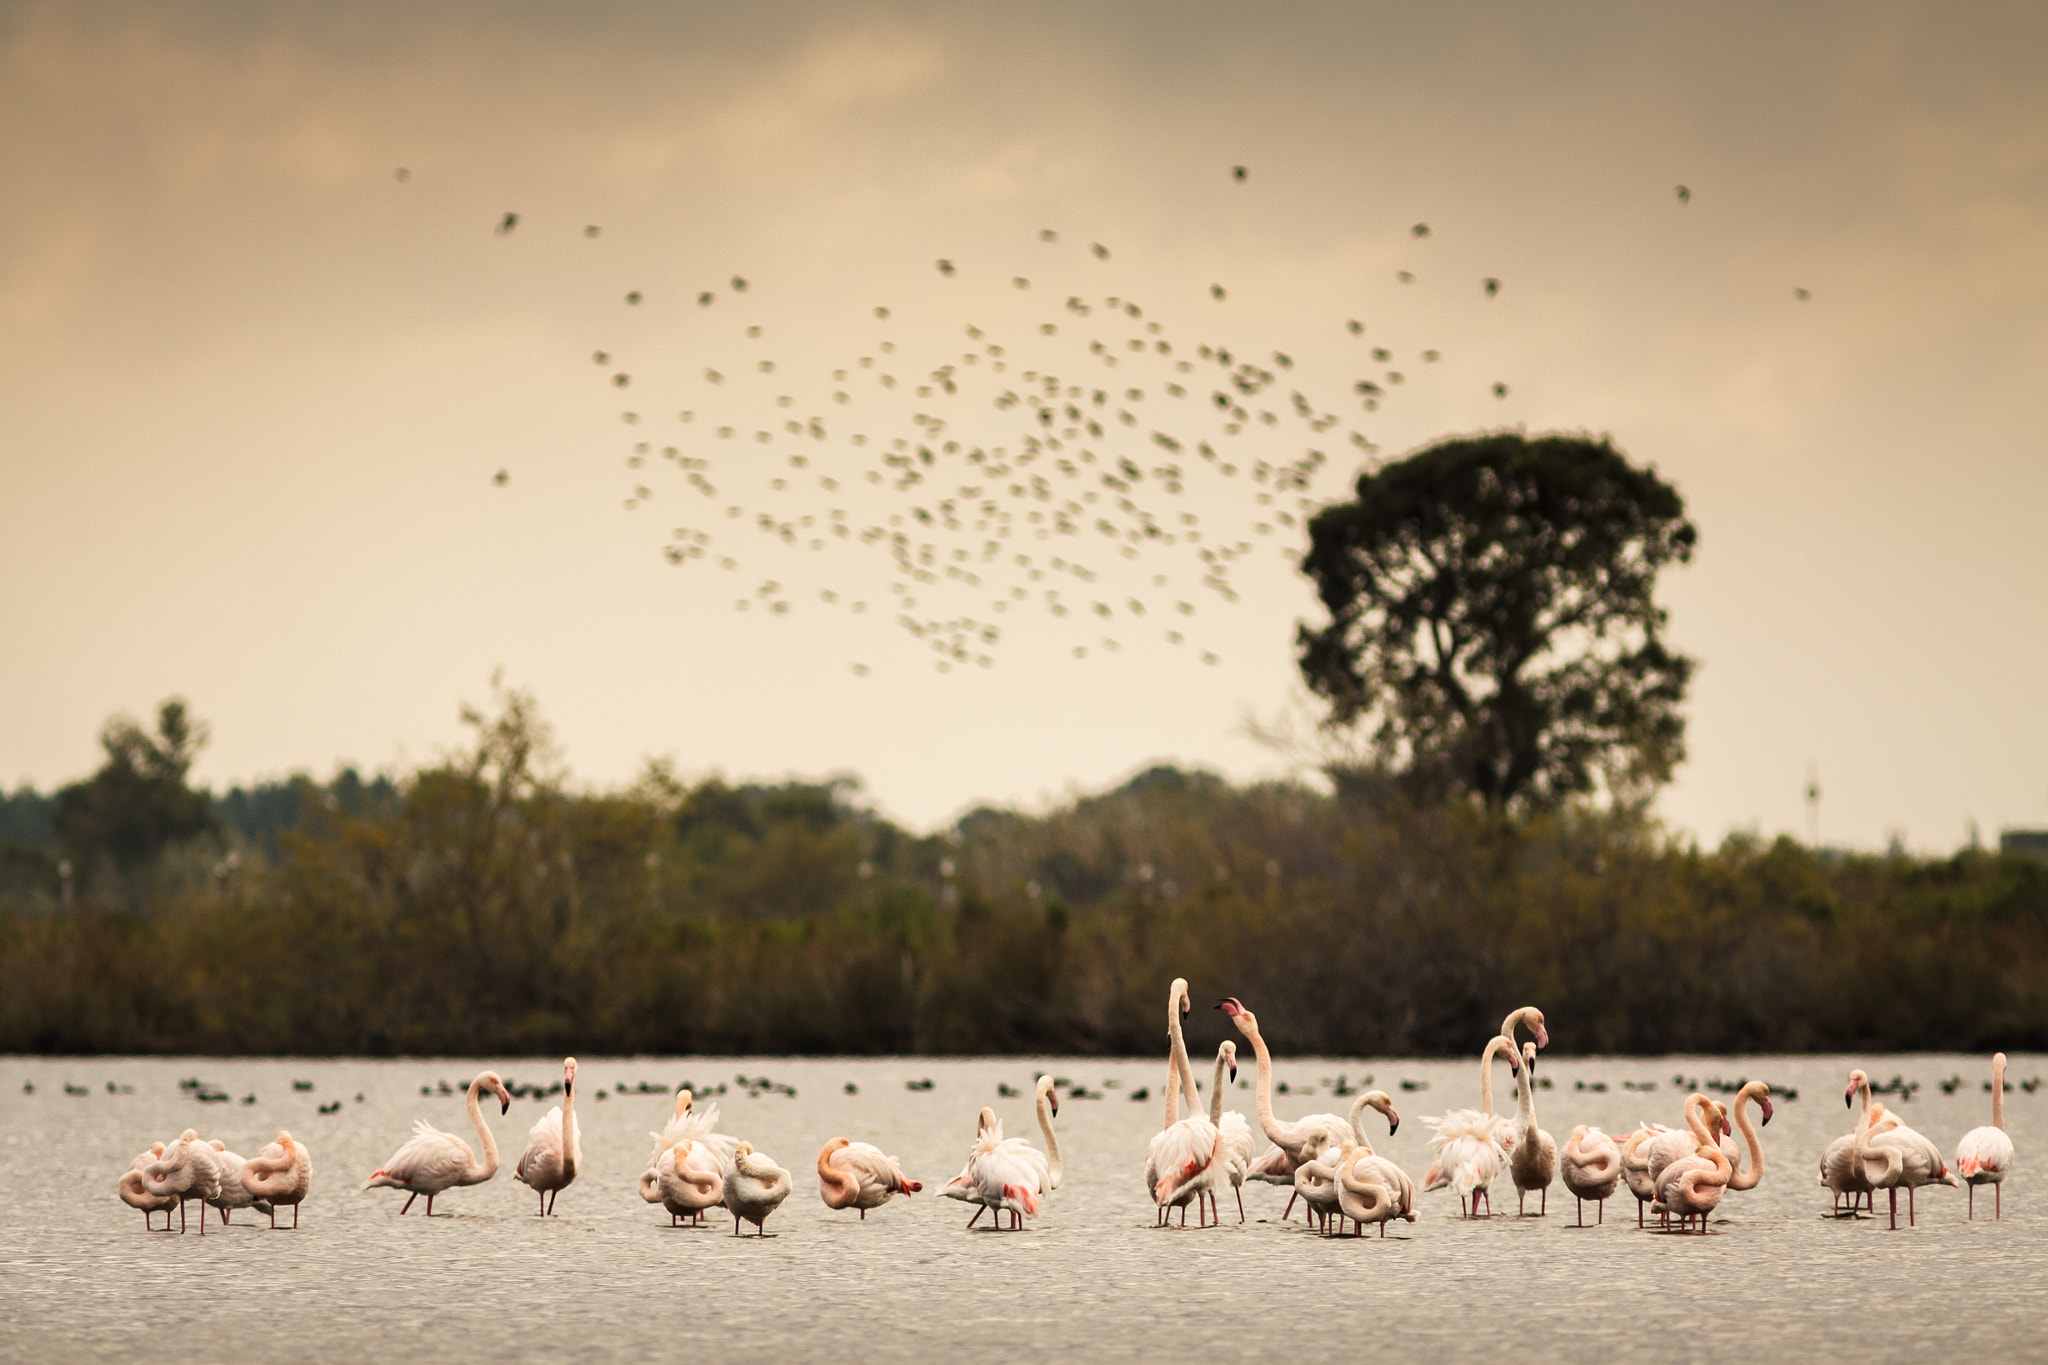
(257, 387)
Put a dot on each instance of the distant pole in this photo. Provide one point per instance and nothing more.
(1812, 805)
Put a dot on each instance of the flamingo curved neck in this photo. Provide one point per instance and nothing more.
(846, 1186)
(1493, 1049)
(488, 1167)
(1270, 1126)
(1052, 1141)
(1747, 1180)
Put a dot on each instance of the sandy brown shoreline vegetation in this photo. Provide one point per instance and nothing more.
(483, 906)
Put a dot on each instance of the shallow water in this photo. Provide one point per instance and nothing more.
(608, 1279)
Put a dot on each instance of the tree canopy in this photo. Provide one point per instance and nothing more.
(1492, 618)
(138, 801)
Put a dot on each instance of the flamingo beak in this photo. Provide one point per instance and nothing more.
(1765, 1106)
(1848, 1098)
(1393, 1123)
(1233, 1073)
(1055, 1101)
(1542, 1036)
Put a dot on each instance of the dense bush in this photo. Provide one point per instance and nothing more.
(484, 906)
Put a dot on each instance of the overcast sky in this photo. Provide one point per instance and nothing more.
(255, 388)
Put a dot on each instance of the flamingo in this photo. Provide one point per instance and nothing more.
(1009, 1174)
(1635, 1167)
(856, 1175)
(1471, 1145)
(1371, 1189)
(1293, 1143)
(1235, 1132)
(1900, 1157)
(282, 1173)
(232, 1194)
(137, 1196)
(1705, 1120)
(1984, 1156)
(1315, 1179)
(1740, 1179)
(1532, 1162)
(1186, 1158)
(554, 1148)
(754, 1188)
(1692, 1185)
(987, 1128)
(186, 1170)
(1591, 1167)
(686, 1180)
(432, 1161)
(711, 1151)
(1839, 1170)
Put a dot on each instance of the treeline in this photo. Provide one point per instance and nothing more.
(483, 906)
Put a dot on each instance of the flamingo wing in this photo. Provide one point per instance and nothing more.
(430, 1160)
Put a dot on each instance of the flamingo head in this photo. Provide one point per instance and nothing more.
(569, 1076)
(684, 1099)
(1763, 1104)
(218, 1145)
(1230, 1058)
(156, 1149)
(189, 1135)
(491, 1083)
(985, 1121)
(1178, 993)
(1857, 1080)
(1529, 1058)
(1380, 1100)
(1046, 1088)
(1247, 1022)
(744, 1149)
(284, 1140)
(1534, 1018)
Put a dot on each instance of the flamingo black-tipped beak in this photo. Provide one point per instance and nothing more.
(1765, 1106)
(1233, 1073)
(1055, 1101)
(1542, 1036)
(1848, 1099)
(1393, 1124)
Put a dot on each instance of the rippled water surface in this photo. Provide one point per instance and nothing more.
(607, 1278)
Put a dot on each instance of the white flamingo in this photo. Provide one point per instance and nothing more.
(1532, 1164)
(987, 1128)
(554, 1149)
(1009, 1174)
(1984, 1156)
(1901, 1158)
(1234, 1130)
(233, 1195)
(1635, 1167)
(1368, 1187)
(754, 1188)
(1705, 1120)
(1293, 1143)
(1315, 1178)
(137, 1196)
(686, 1180)
(710, 1151)
(1691, 1186)
(282, 1173)
(432, 1161)
(857, 1175)
(186, 1170)
(1531, 1018)
(1471, 1145)
(1590, 1164)
(1186, 1158)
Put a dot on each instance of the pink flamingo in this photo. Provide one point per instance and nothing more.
(1590, 1165)
(856, 1175)
(1984, 1156)
(554, 1149)
(432, 1161)
(282, 1173)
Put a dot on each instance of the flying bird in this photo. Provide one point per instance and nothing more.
(1238, 172)
(1216, 291)
(1492, 286)
(1101, 251)
(945, 267)
(501, 478)
(1801, 294)
(403, 175)
(1500, 390)
(633, 296)
(1420, 229)
(592, 230)
(1684, 195)
(507, 223)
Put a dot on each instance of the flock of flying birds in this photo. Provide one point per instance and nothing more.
(1090, 465)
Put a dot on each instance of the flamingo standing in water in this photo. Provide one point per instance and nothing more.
(856, 1175)
(1590, 1164)
(1186, 1158)
(233, 1195)
(754, 1188)
(185, 1171)
(690, 1134)
(686, 1180)
(1984, 1156)
(137, 1196)
(554, 1149)
(1839, 1170)
(1532, 1164)
(1009, 1174)
(1293, 1143)
(1901, 1157)
(1635, 1166)
(1236, 1134)
(1705, 1121)
(1471, 1145)
(282, 1173)
(432, 1161)
(1315, 1180)
(1692, 1185)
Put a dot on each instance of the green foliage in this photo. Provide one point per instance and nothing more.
(1492, 619)
(479, 906)
(138, 803)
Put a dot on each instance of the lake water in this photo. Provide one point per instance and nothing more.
(608, 1279)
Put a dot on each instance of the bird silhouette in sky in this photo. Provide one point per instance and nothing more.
(1492, 286)
(507, 223)
(1801, 294)
(1684, 195)
(1238, 173)
(501, 478)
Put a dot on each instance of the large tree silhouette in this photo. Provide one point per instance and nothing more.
(1492, 618)
(137, 803)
